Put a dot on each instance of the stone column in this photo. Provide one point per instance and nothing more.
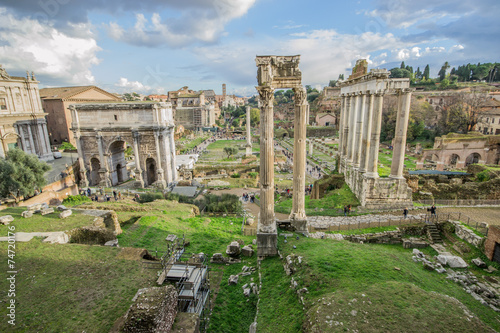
(351, 129)
(298, 214)
(138, 170)
(166, 152)
(372, 165)
(83, 172)
(366, 139)
(341, 123)
(398, 157)
(21, 135)
(30, 138)
(360, 109)
(160, 179)
(311, 149)
(172, 152)
(249, 135)
(46, 136)
(104, 170)
(43, 143)
(267, 236)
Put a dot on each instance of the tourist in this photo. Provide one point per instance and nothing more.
(433, 210)
(89, 192)
(405, 212)
(120, 195)
(349, 209)
(115, 195)
(345, 210)
(96, 198)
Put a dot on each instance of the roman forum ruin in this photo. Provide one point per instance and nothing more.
(248, 146)
(102, 132)
(360, 124)
(280, 72)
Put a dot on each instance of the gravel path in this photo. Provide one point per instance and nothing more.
(490, 215)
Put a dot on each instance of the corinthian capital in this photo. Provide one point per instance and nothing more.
(300, 95)
(266, 95)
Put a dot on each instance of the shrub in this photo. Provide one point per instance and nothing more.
(483, 176)
(235, 175)
(149, 197)
(226, 203)
(253, 174)
(67, 146)
(73, 200)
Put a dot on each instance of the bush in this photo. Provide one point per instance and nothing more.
(179, 198)
(150, 197)
(73, 200)
(483, 176)
(226, 203)
(253, 175)
(67, 146)
(235, 175)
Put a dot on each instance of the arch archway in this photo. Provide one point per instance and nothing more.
(150, 171)
(95, 165)
(473, 158)
(118, 164)
(454, 158)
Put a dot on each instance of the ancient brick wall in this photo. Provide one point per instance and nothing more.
(493, 237)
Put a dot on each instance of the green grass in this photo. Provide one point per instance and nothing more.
(71, 288)
(331, 203)
(39, 223)
(337, 272)
(384, 170)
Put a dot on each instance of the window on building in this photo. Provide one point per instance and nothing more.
(3, 104)
(116, 117)
(492, 120)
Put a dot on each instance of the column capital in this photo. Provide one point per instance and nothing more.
(266, 95)
(300, 95)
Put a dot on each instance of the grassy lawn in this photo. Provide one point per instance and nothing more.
(190, 144)
(39, 223)
(343, 277)
(385, 159)
(71, 287)
(331, 203)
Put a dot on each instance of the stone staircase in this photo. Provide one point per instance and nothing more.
(433, 234)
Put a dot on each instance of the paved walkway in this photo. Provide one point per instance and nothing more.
(323, 222)
(50, 237)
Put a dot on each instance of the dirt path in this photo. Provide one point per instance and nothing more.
(490, 215)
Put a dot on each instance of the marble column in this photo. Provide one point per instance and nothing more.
(372, 165)
(298, 214)
(43, 144)
(360, 109)
(366, 138)
(104, 170)
(30, 138)
(351, 129)
(83, 172)
(166, 152)
(171, 141)
(249, 135)
(138, 170)
(267, 236)
(46, 136)
(398, 156)
(311, 148)
(160, 179)
(21, 136)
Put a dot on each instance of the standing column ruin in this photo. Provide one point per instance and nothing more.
(138, 170)
(402, 117)
(266, 229)
(249, 135)
(366, 138)
(160, 179)
(372, 163)
(298, 214)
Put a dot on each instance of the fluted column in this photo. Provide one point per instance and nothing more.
(46, 136)
(83, 172)
(249, 135)
(104, 170)
(341, 124)
(351, 128)
(366, 138)
(159, 170)
(298, 214)
(138, 170)
(30, 138)
(21, 135)
(165, 145)
(266, 229)
(360, 109)
(171, 141)
(398, 156)
(372, 165)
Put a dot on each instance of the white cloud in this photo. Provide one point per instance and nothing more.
(52, 54)
(204, 24)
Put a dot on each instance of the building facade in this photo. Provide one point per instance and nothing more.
(22, 119)
(56, 102)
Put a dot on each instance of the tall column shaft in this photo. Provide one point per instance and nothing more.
(360, 109)
(30, 138)
(172, 152)
(367, 127)
(83, 172)
(249, 135)
(23, 139)
(341, 125)
(352, 128)
(168, 162)
(104, 171)
(159, 169)
(138, 171)
(46, 136)
(372, 165)
(403, 114)
(299, 161)
(266, 229)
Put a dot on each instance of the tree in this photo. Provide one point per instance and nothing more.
(254, 116)
(230, 151)
(426, 72)
(442, 71)
(400, 73)
(21, 174)
(341, 77)
(235, 123)
(402, 65)
(332, 83)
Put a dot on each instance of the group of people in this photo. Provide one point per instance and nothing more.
(246, 197)
(88, 192)
(347, 210)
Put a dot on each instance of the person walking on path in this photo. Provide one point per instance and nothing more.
(433, 210)
(405, 212)
(349, 209)
(345, 210)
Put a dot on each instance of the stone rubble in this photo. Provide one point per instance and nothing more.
(6, 219)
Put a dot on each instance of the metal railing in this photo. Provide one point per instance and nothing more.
(459, 202)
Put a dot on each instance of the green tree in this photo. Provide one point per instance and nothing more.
(236, 123)
(442, 71)
(402, 65)
(230, 151)
(427, 72)
(254, 116)
(444, 84)
(21, 174)
(332, 83)
(400, 73)
(341, 77)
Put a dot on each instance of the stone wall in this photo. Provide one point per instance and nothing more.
(493, 238)
(467, 234)
(154, 310)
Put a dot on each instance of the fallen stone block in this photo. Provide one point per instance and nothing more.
(61, 208)
(47, 211)
(247, 251)
(479, 263)
(113, 243)
(233, 249)
(65, 213)
(233, 279)
(6, 219)
(452, 261)
(27, 214)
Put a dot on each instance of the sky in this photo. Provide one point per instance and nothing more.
(154, 46)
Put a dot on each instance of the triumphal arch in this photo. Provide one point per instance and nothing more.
(106, 134)
(278, 72)
(360, 125)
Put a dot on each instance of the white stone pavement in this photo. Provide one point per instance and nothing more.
(320, 222)
(50, 237)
